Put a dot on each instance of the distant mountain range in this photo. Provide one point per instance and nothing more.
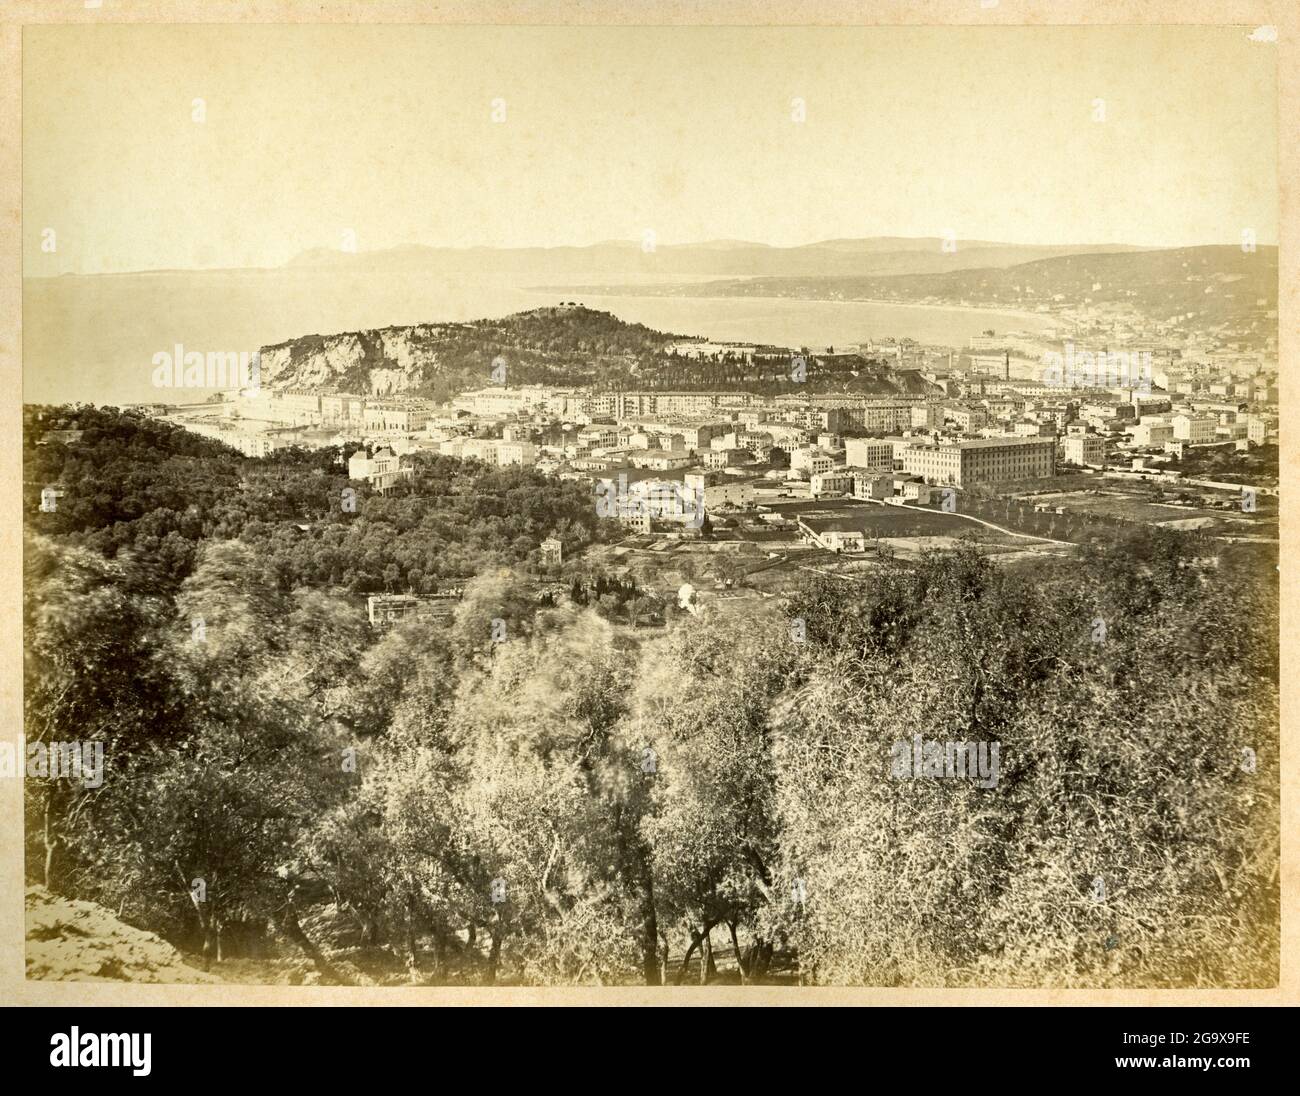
(882, 255)
(1214, 283)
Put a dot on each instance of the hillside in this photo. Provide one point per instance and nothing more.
(544, 345)
(1214, 283)
(560, 345)
(145, 490)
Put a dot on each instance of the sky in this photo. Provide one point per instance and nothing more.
(313, 136)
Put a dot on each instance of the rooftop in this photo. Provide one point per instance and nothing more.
(985, 443)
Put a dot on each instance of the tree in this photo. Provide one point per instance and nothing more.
(91, 685)
(1122, 843)
(703, 702)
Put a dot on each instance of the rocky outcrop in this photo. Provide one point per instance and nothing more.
(378, 363)
(72, 941)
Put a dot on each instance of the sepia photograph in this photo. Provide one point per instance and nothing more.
(575, 506)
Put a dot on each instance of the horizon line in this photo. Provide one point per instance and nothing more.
(288, 264)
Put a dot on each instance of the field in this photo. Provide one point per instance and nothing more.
(1154, 508)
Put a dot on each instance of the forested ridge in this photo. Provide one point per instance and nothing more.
(533, 793)
(151, 489)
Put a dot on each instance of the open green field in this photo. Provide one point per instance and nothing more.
(879, 520)
(1127, 505)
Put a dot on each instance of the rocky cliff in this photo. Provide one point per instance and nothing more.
(380, 363)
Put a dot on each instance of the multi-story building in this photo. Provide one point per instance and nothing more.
(1085, 450)
(724, 458)
(988, 460)
(484, 449)
(300, 407)
(598, 436)
(924, 416)
(754, 440)
(873, 487)
(552, 551)
(503, 402)
(340, 408)
(393, 417)
(831, 483)
(887, 417)
(1058, 416)
(700, 435)
(720, 490)
(516, 452)
(872, 454)
(638, 405)
(662, 500)
(381, 470)
(967, 416)
(811, 460)
(1194, 430)
(1156, 432)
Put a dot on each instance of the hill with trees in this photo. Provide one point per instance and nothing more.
(566, 345)
(132, 484)
(559, 345)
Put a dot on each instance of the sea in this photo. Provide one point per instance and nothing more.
(93, 339)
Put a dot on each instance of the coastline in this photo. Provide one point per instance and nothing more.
(1013, 312)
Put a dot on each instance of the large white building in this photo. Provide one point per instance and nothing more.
(381, 470)
(988, 460)
(872, 454)
(835, 482)
(1195, 430)
(1085, 450)
(516, 452)
(811, 460)
(390, 417)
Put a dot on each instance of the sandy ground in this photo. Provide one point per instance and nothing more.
(71, 941)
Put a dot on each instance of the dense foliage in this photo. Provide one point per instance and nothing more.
(530, 791)
(134, 484)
